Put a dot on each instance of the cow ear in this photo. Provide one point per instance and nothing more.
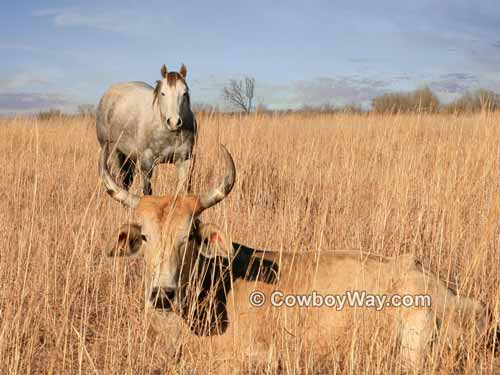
(127, 240)
(183, 71)
(164, 71)
(214, 242)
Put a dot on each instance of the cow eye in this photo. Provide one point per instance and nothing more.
(162, 94)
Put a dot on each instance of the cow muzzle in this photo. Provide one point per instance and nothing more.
(162, 298)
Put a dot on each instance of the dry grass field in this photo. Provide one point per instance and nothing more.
(426, 185)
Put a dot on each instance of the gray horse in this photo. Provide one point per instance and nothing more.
(145, 126)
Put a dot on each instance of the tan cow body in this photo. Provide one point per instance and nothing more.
(257, 332)
(207, 281)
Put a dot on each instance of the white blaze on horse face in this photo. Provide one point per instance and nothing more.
(172, 98)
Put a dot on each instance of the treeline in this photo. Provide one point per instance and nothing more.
(422, 100)
(478, 101)
(84, 110)
(425, 101)
(304, 109)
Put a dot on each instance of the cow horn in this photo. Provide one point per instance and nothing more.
(121, 195)
(214, 196)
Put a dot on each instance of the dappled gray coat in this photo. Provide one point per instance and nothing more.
(145, 126)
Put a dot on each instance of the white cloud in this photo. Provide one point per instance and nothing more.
(344, 90)
(338, 90)
(21, 81)
(29, 102)
(123, 21)
(34, 91)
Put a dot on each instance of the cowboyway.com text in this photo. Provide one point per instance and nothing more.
(339, 301)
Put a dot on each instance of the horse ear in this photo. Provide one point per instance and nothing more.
(183, 71)
(164, 71)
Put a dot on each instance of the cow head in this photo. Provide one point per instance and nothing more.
(168, 233)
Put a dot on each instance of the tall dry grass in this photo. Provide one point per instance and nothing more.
(426, 185)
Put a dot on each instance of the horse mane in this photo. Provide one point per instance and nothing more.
(156, 92)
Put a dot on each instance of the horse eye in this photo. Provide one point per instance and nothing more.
(162, 94)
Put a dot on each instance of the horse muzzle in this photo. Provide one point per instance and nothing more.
(174, 124)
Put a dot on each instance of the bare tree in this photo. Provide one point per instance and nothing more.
(240, 94)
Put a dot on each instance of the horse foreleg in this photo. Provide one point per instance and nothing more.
(119, 165)
(146, 174)
(127, 173)
(184, 173)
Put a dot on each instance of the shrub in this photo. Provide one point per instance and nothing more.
(86, 110)
(50, 114)
(420, 100)
(478, 101)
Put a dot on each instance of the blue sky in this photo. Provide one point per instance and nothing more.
(63, 53)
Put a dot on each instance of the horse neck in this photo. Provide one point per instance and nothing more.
(188, 117)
